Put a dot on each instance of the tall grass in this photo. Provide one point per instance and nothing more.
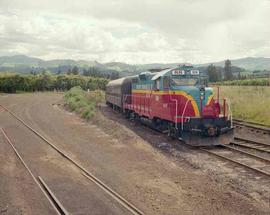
(82, 102)
(250, 103)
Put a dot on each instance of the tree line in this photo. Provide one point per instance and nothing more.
(11, 83)
(246, 82)
(218, 74)
(91, 71)
(230, 72)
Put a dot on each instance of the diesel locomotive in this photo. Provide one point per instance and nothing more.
(176, 101)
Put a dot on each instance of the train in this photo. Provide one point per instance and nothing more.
(176, 101)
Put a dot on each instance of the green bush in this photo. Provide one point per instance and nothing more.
(88, 112)
(83, 102)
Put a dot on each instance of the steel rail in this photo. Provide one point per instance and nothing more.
(250, 147)
(247, 153)
(2, 109)
(125, 203)
(250, 126)
(57, 203)
(250, 123)
(237, 162)
(53, 204)
(251, 141)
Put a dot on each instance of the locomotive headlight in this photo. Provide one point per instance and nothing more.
(202, 93)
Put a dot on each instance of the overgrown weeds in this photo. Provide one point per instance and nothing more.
(82, 102)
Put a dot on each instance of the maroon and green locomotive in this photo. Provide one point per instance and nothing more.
(176, 101)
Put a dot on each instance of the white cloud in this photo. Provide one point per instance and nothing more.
(136, 31)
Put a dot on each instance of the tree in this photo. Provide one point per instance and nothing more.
(75, 70)
(213, 73)
(239, 75)
(69, 71)
(115, 75)
(33, 72)
(10, 82)
(86, 72)
(228, 70)
(44, 82)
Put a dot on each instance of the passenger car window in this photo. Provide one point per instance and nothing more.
(134, 80)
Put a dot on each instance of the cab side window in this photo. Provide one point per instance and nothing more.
(166, 83)
(157, 84)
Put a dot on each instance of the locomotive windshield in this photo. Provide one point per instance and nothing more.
(184, 81)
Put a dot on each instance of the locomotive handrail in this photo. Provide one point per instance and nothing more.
(176, 110)
(230, 112)
(225, 102)
(124, 99)
(182, 117)
(145, 101)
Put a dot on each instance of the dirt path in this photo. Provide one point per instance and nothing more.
(155, 174)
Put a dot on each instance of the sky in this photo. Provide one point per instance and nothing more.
(136, 31)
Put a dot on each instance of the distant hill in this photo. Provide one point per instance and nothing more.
(36, 62)
(249, 63)
(10, 61)
(25, 64)
(118, 66)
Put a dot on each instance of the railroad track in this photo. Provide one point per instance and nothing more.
(242, 158)
(44, 187)
(253, 127)
(251, 144)
(51, 197)
(1, 109)
(246, 153)
(250, 154)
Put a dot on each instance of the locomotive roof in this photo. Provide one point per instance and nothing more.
(165, 71)
(120, 81)
(161, 73)
(155, 75)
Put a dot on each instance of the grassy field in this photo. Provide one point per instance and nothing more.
(250, 103)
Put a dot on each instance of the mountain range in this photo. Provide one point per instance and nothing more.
(22, 63)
